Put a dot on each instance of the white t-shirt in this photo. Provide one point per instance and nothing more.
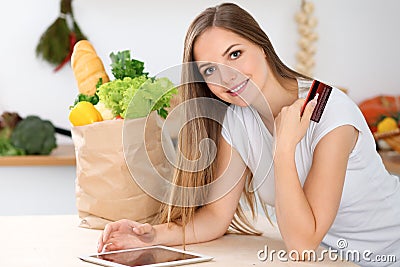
(369, 213)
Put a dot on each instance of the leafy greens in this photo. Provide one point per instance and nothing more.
(123, 66)
(120, 96)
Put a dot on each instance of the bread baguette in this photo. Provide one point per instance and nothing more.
(87, 67)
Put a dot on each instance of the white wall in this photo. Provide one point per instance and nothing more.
(358, 46)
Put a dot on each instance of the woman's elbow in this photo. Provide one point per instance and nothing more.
(302, 248)
(222, 230)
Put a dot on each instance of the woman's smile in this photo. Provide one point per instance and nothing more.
(236, 90)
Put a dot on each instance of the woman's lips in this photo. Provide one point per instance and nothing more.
(238, 89)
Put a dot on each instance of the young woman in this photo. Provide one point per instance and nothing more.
(327, 183)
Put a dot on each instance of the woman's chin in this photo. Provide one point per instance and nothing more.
(242, 104)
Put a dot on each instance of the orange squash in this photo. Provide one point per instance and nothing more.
(377, 107)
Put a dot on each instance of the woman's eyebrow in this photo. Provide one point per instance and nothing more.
(223, 54)
(203, 65)
(229, 48)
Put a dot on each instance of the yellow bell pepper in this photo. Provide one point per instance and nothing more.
(84, 113)
(386, 125)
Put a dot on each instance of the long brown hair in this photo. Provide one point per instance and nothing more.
(233, 18)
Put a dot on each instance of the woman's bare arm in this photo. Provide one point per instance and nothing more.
(305, 214)
(210, 222)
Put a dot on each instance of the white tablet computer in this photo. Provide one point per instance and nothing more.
(154, 256)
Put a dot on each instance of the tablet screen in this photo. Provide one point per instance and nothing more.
(145, 256)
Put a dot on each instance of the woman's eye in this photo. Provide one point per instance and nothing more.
(235, 54)
(209, 71)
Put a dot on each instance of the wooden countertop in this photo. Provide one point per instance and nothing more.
(56, 240)
(63, 155)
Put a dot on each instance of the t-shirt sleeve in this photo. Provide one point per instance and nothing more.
(340, 110)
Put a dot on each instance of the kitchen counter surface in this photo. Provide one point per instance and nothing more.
(56, 240)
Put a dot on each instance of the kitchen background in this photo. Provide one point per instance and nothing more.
(357, 49)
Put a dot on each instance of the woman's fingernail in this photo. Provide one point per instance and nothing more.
(105, 247)
(313, 102)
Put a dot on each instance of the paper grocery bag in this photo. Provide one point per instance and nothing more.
(105, 188)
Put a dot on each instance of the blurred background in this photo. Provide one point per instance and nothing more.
(357, 49)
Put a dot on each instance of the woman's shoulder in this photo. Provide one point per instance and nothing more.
(339, 106)
(338, 110)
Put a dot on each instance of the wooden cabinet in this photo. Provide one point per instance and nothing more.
(37, 185)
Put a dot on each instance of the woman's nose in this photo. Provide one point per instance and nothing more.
(228, 75)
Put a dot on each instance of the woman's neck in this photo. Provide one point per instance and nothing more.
(277, 95)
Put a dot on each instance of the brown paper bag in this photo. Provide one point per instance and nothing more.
(105, 189)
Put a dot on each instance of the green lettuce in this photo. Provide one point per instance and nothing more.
(146, 95)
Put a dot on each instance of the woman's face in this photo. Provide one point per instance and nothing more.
(234, 68)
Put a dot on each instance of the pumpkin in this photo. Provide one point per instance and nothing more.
(376, 108)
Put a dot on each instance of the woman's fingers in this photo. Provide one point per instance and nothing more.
(110, 228)
(290, 125)
(105, 236)
(142, 229)
(110, 247)
(123, 228)
(100, 244)
(309, 110)
(145, 232)
(305, 119)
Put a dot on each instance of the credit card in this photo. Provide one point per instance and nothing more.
(323, 92)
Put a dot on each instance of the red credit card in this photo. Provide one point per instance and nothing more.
(323, 92)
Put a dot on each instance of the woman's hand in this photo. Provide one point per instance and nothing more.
(124, 234)
(290, 127)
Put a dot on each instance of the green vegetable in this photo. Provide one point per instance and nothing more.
(123, 66)
(34, 135)
(8, 121)
(57, 42)
(7, 149)
(94, 99)
(99, 83)
(153, 94)
(111, 94)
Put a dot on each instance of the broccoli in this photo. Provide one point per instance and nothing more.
(34, 135)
